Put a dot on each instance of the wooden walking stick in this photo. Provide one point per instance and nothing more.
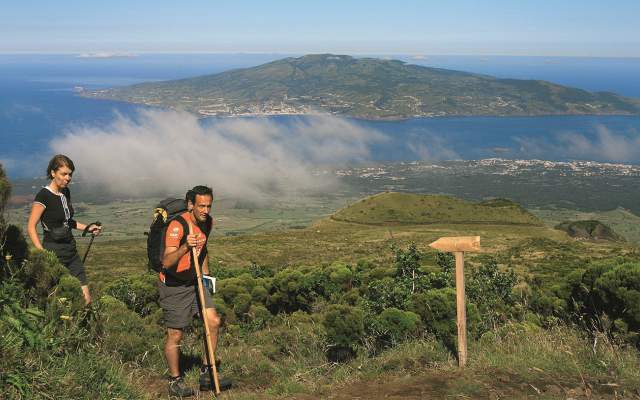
(457, 246)
(207, 332)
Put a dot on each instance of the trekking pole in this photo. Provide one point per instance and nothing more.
(207, 332)
(84, 233)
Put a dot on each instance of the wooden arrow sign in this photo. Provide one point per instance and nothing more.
(458, 245)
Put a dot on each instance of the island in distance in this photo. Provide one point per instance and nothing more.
(367, 88)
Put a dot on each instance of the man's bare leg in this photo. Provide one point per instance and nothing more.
(172, 350)
(214, 326)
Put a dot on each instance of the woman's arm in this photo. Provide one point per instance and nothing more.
(94, 231)
(37, 210)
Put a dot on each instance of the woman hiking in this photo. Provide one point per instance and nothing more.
(52, 207)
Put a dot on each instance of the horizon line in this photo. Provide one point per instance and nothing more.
(101, 54)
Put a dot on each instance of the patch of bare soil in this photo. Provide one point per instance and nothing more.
(493, 385)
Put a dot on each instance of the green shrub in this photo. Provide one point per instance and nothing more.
(407, 261)
(20, 327)
(290, 292)
(491, 290)
(259, 316)
(342, 276)
(241, 304)
(224, 311)
(392, 327)
(437, 310)
(386, 293)
(345, 328)
(546, 303)
(138, 292)
(372, 274)
(352, 298)
(125, 332)
(40, 274)
(619, 292)
(68, 298)
(606, 295)
(259, 294)
(13, 249)
(290, 338)
(229, 290)
(445, 277)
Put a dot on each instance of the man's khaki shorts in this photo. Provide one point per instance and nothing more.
(180, 304)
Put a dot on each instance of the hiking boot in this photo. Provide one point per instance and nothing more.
(178, 388)
(205, 382)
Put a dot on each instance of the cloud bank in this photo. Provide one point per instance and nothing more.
(167, 152)
(603, 146)
(106, 54)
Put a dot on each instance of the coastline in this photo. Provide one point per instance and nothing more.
(440, 115)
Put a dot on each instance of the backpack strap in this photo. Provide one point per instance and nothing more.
(208, 226)
(185, 228)
(183, 239)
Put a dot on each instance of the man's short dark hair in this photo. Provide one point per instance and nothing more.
(190, 196)
(201, 191)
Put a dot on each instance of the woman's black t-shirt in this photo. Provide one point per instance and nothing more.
(58, 210)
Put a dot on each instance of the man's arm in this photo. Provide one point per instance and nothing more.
(173, 254)
(205, 265)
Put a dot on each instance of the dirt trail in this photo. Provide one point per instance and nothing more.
(469, 385)
(437, 384)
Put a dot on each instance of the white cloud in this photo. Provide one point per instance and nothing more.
(430, 147)
(167, 152)
(604, 146)
(104, 54)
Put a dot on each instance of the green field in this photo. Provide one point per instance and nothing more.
(525, 353)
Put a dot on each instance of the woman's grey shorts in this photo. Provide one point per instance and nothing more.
(180, 305)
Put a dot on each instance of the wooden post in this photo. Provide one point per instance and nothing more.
(461, 309)
(458, 245)
(207, 332)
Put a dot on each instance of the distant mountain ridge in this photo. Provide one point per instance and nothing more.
(366, 88)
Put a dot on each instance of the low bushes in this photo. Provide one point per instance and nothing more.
(605, 296)
(48, 336)
(138, 292)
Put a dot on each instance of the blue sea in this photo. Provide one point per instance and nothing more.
(38, 104)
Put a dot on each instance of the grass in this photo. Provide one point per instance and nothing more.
(287, 359)
(409, 208)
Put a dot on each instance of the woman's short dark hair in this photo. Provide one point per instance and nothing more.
(58, 161)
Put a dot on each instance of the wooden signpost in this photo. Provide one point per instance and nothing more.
(458, 245)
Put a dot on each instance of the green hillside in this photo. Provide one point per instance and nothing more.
(336, 310)
(409, 208)
(365, 88)
(590, 230)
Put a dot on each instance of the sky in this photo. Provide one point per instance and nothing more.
(591, 28)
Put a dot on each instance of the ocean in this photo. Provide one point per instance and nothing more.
(38, 104)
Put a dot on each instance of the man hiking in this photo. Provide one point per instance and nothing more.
(178, 295)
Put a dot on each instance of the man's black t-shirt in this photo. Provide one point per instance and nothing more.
(58, 210)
